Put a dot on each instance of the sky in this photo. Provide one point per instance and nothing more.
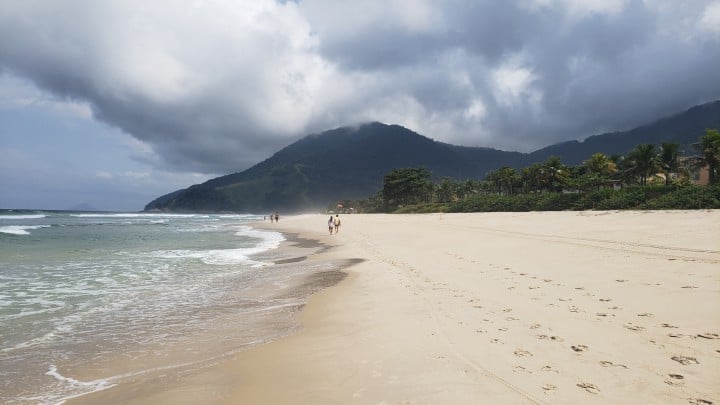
(110, 104)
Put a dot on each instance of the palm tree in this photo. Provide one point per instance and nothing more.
(508, 178)
(709, 147)
(643, 162)
(669, 159)
(555, 173)
(532, 178)
(493, 178)
(469, 187)
(600, 167)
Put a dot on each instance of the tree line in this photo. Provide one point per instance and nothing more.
(649, 176)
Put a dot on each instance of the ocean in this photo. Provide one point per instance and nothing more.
(89, 300)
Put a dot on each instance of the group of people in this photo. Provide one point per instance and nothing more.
(334, 224)
(274, 217)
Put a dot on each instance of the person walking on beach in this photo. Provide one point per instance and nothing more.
(331, 224)
(337, 223)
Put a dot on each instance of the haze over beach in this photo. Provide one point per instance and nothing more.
(107, 105)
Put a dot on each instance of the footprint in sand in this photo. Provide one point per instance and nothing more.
(519, 369)
(549, 387)
(667, 325)
(579, 288)
(699, 401)
(675, 380)
(507, 309)
(535, 326)
(589, 387)
(547, 280)
(675, 335)
(510, 318)
(709, 335)
(496, 341)
(674, 383)
(689, 286)
(685, 360)
(579, 348)
(522, 353)
(573, 308)
(533, 287)
(605, 299)
(481, 331)
(610, 363)
(632, 327)
(553, 338)
(621, 281)
(646, 314)
(503, 329)
(548, 368)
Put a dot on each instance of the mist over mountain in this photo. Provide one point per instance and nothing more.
(350, 162)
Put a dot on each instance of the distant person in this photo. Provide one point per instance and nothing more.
(336, 222)
(272, 218)
(331, 224)
(277, 217)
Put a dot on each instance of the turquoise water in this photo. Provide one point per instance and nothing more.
(80, 291)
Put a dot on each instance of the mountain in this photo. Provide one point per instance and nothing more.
(684, 128)
(350, 162)
(344, 163)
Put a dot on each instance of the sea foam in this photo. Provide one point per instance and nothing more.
(20, 229)
(38, 216)
(268, 240)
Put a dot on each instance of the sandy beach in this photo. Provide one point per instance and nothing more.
(512, 308)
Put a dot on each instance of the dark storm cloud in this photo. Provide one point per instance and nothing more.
(591, 69)
(217, 86)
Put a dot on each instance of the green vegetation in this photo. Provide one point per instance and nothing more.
(645, 178)
(349, 163)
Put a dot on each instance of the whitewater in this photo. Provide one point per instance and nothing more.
(88, 299)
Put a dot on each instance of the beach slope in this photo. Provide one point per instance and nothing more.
(518, 308)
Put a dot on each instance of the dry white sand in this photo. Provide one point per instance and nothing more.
(566, 307)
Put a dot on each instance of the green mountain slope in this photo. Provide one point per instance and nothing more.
(350, 162)
(684, 128)
(344, 163)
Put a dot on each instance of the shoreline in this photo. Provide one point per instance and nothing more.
(159, 383)
(545, 307)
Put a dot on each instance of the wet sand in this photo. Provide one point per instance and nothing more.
(566, 307)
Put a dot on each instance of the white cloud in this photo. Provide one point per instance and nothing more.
(710, 19)
(216, 86)
(513, 85)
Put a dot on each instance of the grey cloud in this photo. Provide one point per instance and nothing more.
(217, 93)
